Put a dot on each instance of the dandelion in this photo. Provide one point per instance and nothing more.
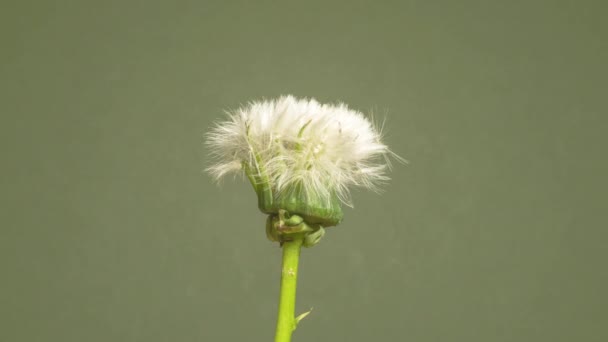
(301, 157)
(300, 152)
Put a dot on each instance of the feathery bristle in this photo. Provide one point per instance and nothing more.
(323, 148)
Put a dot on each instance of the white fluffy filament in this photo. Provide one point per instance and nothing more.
(324, 149)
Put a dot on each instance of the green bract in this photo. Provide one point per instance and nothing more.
(314, 209)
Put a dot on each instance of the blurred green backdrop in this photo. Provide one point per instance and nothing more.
(495, 231)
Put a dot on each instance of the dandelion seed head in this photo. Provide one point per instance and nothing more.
(320, 149)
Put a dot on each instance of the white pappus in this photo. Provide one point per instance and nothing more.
(322, 148)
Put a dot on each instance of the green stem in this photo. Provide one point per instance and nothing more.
(286, 322)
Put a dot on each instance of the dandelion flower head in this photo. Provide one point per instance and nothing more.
(289, 143)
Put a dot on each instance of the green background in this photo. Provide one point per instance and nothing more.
(495, 230)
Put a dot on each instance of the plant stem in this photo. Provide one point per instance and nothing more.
(286, 322)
